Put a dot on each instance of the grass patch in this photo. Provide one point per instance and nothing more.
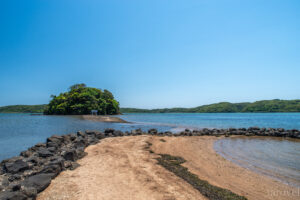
(162, 140)
(173, 164)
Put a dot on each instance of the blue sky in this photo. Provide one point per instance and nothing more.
(151, 53)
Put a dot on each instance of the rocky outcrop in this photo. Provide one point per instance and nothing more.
(24, 176)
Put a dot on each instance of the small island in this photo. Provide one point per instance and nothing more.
(81, 100)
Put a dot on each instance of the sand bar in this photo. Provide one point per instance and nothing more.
(121, 168)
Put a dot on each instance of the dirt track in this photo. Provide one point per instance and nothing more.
(120, 168)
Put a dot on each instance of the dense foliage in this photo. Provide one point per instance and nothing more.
(275, 105)
(81, 100)
(23, 109)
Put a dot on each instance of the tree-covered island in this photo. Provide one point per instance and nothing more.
(80, 100)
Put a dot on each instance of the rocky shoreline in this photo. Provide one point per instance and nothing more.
(24, 176)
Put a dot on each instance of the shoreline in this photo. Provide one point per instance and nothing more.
(105, 172)
(32, 171)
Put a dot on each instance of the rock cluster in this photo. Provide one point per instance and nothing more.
(24, 176)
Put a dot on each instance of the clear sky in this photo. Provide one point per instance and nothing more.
(151, 53)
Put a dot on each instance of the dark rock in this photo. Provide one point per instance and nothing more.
(58, 140)
(44, 153)
(15, 186)
(39, 181)
(73, 137)
(80, 134)
(3, 182)
(80, 153)
(15, 166)
(57, 160)
(52, 149)
(14, 177)
(109, 130)
(52, 169)
(90, 133)
(92, 140)
(26, 154)
(80, 143)
(255, 128)
(152, 131)
(118, 133)
(100, 135)
(70, 155)
(12, 196)
(136, 132)
(53, 144)
(30, 192)
(38, 146)
(71, 165)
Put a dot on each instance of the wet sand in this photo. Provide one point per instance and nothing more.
(103, 118)
(121, 168)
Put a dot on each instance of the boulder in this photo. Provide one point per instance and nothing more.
(30, 192)
(44, 153)
(71, 165)
(12, 196)
(118, 133)
(90, 133)
(70, 155)
(80, 153)
(55, 139)
(39, 181)
(52, 169)
(109, 130)
(152, 131)
(73, 137)
(80, 134)
(100, 135)
(3, 182)
(26, 154)
(14, 177)
(15, 166)
(79, 143)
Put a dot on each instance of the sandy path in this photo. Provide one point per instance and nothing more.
(116, 169)
(203, 161)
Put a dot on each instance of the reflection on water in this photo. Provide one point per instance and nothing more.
(274, 157)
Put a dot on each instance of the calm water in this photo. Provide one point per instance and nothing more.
(277, 158)
(20, 131)
(219, 120)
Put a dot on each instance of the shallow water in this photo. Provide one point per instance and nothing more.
(21, 131)
(274, 157)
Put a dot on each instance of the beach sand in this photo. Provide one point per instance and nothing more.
(121, 168)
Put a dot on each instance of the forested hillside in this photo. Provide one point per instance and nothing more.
(275, 105)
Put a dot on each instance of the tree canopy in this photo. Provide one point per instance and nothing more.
(81, 99)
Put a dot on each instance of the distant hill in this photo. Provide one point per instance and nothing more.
(275, 105)
(23, 109)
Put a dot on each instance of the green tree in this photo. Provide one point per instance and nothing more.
(81, 99)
